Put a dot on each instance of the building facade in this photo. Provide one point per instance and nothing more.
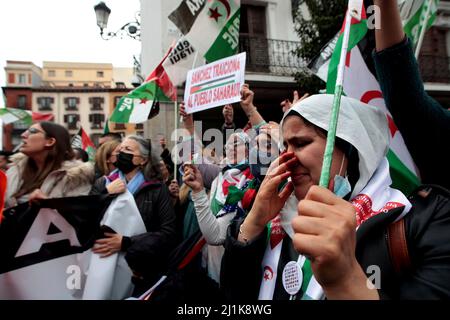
(434, 58)
(21, 76)
(266, 34)
(76, 94)
(75, 74)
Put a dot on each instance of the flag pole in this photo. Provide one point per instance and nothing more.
(423, 29)
(176, 130)
(331, 136)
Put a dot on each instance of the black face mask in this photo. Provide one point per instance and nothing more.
(125, 162)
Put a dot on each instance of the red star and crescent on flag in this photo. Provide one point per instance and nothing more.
(214, 12)
(268, 273)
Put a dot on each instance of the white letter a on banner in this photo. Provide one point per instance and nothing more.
(38, 233)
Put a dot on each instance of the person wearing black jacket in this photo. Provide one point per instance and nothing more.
(146, 254)
(422, 121)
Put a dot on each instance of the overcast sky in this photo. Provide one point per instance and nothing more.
(64, 30)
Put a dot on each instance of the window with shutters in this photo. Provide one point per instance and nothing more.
(96, 103)
(45, 103)
(253, 37)
(96, 120)
(21, 101)
(72, 103)
(22, 78)
(72, 121)
(11, 78)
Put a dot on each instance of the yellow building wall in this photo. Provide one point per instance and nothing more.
(82, 73)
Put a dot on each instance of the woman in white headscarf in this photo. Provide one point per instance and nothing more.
(299, 241)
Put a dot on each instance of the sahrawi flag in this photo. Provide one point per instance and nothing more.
(414, 15)
(10, 115)
(45, 248)
(212, 26)
(360, 83)
(137, 105)
(81, 140)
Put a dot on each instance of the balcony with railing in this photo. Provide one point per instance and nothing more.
(270, 56)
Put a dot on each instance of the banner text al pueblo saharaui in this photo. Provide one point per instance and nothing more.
(215, 84)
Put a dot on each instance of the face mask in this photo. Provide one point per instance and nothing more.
(342, 186)
(125, 162)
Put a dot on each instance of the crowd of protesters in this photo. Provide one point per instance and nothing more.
(257, 203)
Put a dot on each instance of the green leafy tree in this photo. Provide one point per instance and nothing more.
(315, 26)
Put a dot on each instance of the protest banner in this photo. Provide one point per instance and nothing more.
(215, 84)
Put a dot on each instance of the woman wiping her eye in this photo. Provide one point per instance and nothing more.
(301, 241)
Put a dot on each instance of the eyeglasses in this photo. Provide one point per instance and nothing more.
(33, 130)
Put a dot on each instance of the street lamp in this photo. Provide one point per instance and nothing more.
(131, 29)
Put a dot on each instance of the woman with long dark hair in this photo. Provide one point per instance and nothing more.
(45, 168)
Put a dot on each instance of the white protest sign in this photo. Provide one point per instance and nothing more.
(215, 84)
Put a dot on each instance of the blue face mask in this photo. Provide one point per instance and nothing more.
(342, 186)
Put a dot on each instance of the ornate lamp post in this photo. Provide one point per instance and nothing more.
(131, 29)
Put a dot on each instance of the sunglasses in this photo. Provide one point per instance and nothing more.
(33, 130)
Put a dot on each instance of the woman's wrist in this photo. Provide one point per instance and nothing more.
(251, 111)
(354, 286)
(197, 190)
(250, 228)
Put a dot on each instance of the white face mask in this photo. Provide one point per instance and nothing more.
(342, 186)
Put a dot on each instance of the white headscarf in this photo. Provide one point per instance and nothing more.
(363, 126)
(366, 129)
